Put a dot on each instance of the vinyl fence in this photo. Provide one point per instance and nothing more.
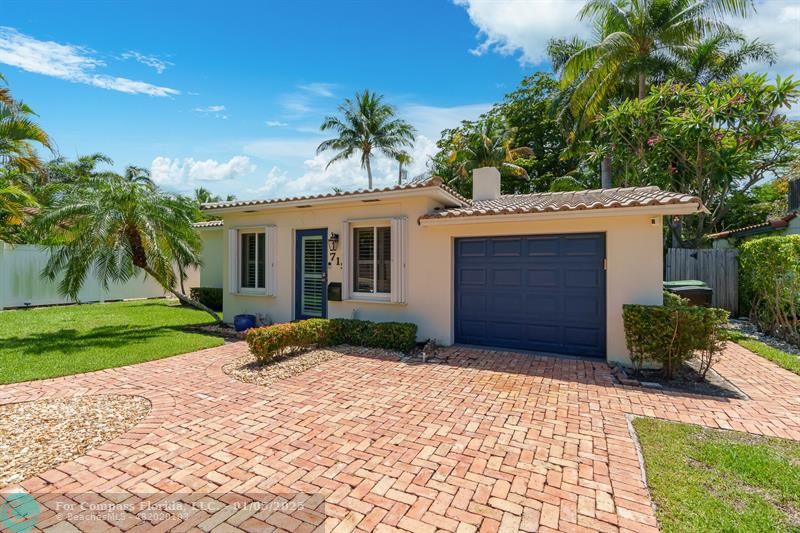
(21, 283)
(718, 268)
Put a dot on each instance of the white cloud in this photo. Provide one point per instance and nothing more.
(184, 173)
(523, 26)
(276, 124)
(210, 109)
(67, 62)
(431, 120)
(157, 64)
(776, 22)
(318, 88)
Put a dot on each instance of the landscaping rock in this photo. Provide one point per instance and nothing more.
(36, 436)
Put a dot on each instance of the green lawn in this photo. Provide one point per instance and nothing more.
(58, 341)
(712, 480)
(786, 360)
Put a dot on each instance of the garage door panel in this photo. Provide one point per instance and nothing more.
(544, 293)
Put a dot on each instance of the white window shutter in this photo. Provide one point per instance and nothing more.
(399, 247)
(346, 257)
(233, 261)
(270, 256)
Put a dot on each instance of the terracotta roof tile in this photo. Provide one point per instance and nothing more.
(775, 223)
(568, 201)
(434, 181)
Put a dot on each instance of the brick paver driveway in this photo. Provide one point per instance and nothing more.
(489, 441)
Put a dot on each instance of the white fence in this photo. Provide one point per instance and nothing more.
(22, 285)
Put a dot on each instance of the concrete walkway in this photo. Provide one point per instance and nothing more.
(490, 441)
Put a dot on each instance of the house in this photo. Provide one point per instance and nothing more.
(213, 253)
(546, 272)
(789, 224)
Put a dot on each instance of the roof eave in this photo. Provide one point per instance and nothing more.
(670, 209)
(444, 197)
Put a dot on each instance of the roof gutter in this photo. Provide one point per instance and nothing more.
(670, 209)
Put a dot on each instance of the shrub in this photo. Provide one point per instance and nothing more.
(671, 299)
(209, 296)
(283, 339)
(672, 334)
(769, 273)
(400, 336)
(269, 342)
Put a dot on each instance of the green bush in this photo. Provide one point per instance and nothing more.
(269, 342)
(672, 334)
(400, 336)
(769, 278)
(208, 296)
(671, 299)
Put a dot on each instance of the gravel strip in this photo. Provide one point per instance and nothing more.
(249, 370)
(748, 329)
(36, 436)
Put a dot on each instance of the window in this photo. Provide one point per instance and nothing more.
(252, 262)
(372, 260)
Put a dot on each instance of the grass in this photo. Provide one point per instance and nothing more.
(713, 480)
(58, 341)
(786, 360)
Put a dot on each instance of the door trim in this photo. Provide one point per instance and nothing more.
(298, 262)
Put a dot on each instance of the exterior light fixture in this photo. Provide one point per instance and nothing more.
(333, 242)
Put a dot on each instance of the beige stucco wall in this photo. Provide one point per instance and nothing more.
(633, 245)
(213, 256)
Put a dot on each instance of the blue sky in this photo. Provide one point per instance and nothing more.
(230, 95)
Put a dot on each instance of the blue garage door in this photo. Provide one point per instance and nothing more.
(534, 292)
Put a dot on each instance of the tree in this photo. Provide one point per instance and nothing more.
(756, 205)
(15, 207)
(19, 134)
(485, 143)
(403, 158)
(116, 227)
(528, 114)
(638, 43)
(709, 141)
(719, 57)
(366, 125)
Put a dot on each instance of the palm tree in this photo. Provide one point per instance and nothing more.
(720, 56)
(18, 133)
(366, 125)
(486, 143)
(638, 41)
(15, 206)
(62, 170)
(403, 158)
(139, 175)
(204, 196)
(117, 227)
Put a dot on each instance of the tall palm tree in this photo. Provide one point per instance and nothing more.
(119, 227)
(403, 158)
(638, 41)
(720, 56)
(366, 125)
(18, 136)
(62, 170)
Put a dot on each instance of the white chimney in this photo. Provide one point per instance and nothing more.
(485, 183)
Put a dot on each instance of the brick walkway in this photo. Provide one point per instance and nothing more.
(490, 441)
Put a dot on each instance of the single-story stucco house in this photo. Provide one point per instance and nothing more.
(546, 272)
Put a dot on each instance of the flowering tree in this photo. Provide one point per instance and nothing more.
(709, 141)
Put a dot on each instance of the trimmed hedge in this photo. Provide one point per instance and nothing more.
(208, 296)
(769, 277)
(673, 333)
(269, 342)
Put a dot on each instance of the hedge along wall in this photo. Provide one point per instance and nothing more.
(770, 280)
(282, 339)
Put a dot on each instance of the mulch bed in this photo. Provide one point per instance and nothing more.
(686, 380)
(748, 329)
(248, 369)
(36, 436)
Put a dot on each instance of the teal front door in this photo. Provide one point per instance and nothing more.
(311, 274)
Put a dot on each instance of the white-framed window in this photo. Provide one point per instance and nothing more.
(251, 260)
(374, 260)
